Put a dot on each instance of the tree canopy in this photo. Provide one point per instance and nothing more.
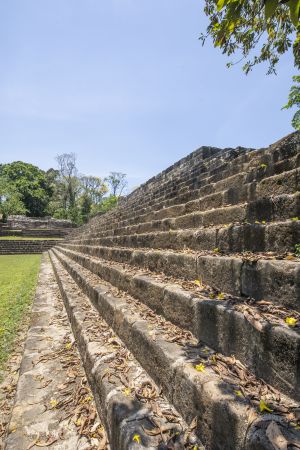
(117, 182)
(10, 199)
(62, 193)
(258, 31)
(32, 185)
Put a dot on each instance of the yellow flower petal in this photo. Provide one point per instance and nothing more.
(200, 367)
(127, 392)
(198, 283)
(68, 345)
(137, 438)
(53, 403)
(220, 296)
(264, 407)
(239, 393)
(291, 321)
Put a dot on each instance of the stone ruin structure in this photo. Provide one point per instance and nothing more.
(32, 227)
(38, 226)
(186, 299)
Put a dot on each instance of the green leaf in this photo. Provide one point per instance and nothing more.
(294, 6)
(231, 27)
(296, 120)
(220, 4)
(270, 7)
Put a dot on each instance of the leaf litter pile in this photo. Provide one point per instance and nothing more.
(119, 368)
(74, 400)
(255, 311)
(261, 397)
(10, 380)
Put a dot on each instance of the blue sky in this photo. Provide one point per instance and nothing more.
(126, 85)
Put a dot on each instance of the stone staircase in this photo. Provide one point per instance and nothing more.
(197, 274)
(185, 304)
(28, 246)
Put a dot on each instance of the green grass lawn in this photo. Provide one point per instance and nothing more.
(28, 238)
(18, 278)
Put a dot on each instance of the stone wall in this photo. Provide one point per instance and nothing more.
(15, 247)
(36, 227)
(22, 222)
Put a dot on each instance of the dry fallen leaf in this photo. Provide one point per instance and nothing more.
(71, 373)
(290, 257)
(252, 417)
(276, 437)
(256, 323)
(39, 443)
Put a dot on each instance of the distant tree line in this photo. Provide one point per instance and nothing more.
(62, 193)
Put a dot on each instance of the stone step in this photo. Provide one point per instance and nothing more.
(130, 405)
(130, 208)
(280, 157)
(228, 193)
(260, 336)
(279, 237)
(12, 247)
(279, 208)
(258, 163)
(236, 188)
(25, 242)
(188, 171)
(243, 175)
(190, 374)
(28, 252)
(268, 279)
(256, 158)
(233, 190)
(52, 388)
